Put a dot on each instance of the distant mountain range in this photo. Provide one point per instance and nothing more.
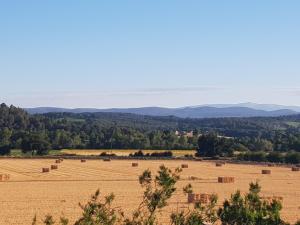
(202, 111)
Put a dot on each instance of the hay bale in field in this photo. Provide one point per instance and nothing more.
(198, 159)
(135, 164)
(193, 178)
(225, 179)
(106, 160)
(83, 160)
(4, 177)
(199, 198)
(57, 161)
(54, 167)
(271, 165)
(184, 166)
(219, 164)
(295, 169)
(266, 172)
(191, 198)
(45, 170)
(205, 198)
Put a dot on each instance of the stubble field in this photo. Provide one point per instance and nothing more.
(30, 192)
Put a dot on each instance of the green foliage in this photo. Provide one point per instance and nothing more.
(254, 156)
(157, 191)
(250, 209)
(293, 157)
(36, 144)
(38, 133)
(159, 154)
(49, 220)
(64, 220)
(276, 157)
(5, 150)
(200, 215)
(96, 212)
(188, 189)
(5, 141)
(212, 145)
(34, 220)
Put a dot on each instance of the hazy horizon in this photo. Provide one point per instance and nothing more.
(217, 105)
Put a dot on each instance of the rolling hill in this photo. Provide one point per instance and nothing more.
(216, 111)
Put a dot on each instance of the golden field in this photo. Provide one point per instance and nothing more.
(30, 192)
(123, 152)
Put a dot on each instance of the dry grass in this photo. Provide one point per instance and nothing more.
(122, 152)
(29, 191)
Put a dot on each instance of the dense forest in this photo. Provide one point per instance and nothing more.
(39, 133)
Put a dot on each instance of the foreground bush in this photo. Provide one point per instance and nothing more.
(249, 209)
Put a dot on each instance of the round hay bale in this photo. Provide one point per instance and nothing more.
(106, 160)
(45, 170)
(295, 169)
(219, 164)
(135, 164)
(57, 161)
(54, 167)
(184, 166)
(266, 172)
(271, 165)
(83, 160)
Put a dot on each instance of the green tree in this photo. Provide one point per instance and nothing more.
(97, 212)
(275, 157)
(157, 191)
(36, 144)
(212, 145)
(5, 141)
(250, 209)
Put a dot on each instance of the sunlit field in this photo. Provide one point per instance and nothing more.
(30, 192)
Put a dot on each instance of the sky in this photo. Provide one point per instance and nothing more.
(134, 53)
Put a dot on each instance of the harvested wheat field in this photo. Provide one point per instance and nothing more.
(29, 191)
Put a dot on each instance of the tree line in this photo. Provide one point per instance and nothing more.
(211, 145)
(36, 134)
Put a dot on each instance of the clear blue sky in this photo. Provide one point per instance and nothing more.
(145, 53)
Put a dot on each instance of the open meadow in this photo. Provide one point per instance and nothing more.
(58, 192)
